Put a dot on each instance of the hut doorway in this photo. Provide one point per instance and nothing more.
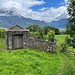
(18, 41)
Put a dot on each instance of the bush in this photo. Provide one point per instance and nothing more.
(63, 46)
(2, 33)
(73, 42)
(68, 40)
(51, 35)
(34, 33)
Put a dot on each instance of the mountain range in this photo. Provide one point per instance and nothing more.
(7, 21)
(61, 24)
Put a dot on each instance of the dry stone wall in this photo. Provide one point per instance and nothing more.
(17, 37)
(43, 45)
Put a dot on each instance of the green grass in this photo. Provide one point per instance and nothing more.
(68, 61)
(68, 67)
(71, 49)
(34, 62)
(29, 62)
(2, 44)
(61, 38)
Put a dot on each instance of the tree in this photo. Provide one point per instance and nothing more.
(71, 20)
(68, 40)
(57, 31)
(41, 34)
(46, 29)
(63, 46)
(51, 35)
(34, 28)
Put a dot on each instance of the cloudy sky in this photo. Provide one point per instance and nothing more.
(44, 10)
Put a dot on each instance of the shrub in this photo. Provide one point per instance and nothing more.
(63, 46)
(73, 42)
(2, 33)
(68, 41)
(51, 35)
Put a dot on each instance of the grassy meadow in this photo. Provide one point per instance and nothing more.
(28, 62)
(61, 38)
(35, 62)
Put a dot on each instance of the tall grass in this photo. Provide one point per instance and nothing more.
(61, 38)
(28, 62)
(34, 62)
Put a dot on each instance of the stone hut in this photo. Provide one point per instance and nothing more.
(16, 37)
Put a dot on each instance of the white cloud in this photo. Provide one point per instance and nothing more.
(51, 14)
(44, 9)
(66, 1)
(23, 8)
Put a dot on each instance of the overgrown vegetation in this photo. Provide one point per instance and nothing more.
(71, 22)
(34, 62)
(29, 62)
(61, 39)
(2, 35)
(46, 33)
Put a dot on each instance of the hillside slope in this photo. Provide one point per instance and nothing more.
(34, 62)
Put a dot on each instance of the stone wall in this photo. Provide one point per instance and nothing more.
(35, 43)
(29, 42)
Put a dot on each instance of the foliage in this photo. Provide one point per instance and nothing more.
(38, 34)
(2, 35)
(51, 35)
(71, 21)
(73, 42)
(57, 32)
(41, 34)
(68, 40)
(34, 33)
(47, 32)
(34, 28)
(63, 46)
(28, 62)
(34, 62)
(68, 30)
(46, 29)
(61, 38)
